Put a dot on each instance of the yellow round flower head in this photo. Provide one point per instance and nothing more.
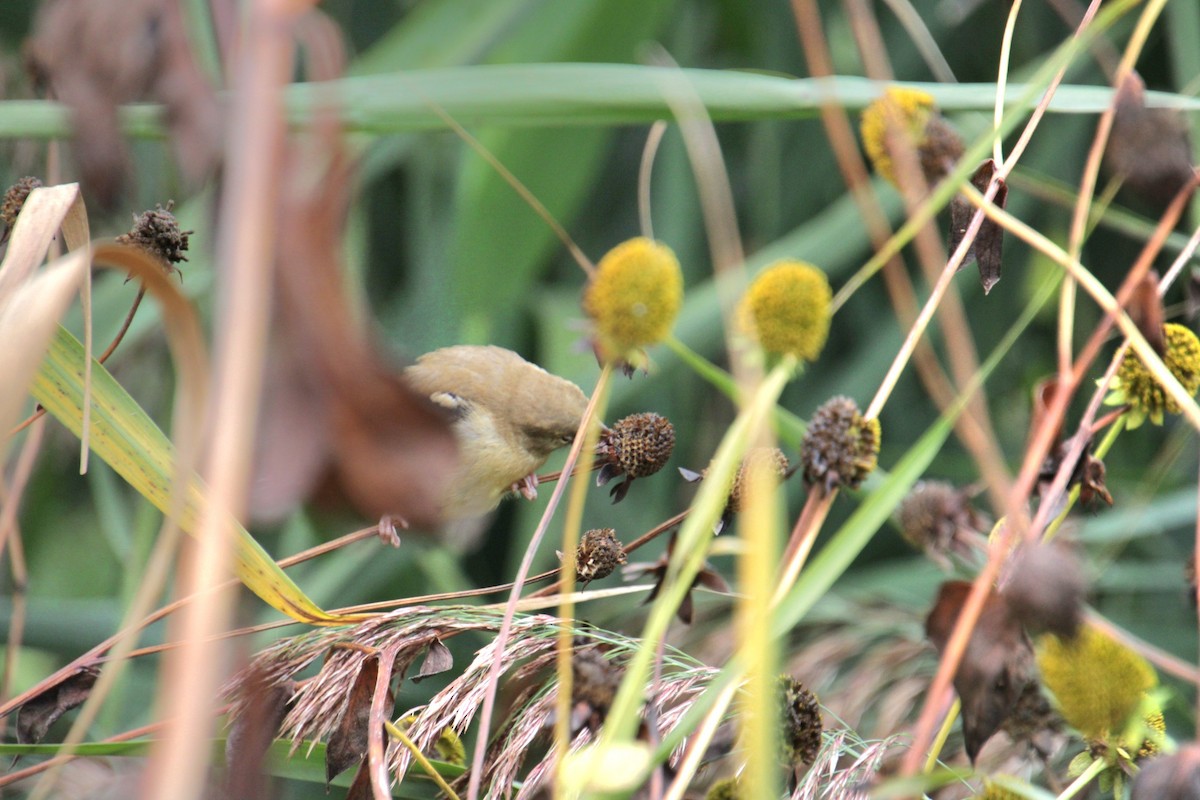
(788, 308)
(913, 115)
(1136, 385)
(994, 791)
(1098, 682)
(634, 296)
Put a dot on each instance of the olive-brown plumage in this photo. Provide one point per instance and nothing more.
(509, 416)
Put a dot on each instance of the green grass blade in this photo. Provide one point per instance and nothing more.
(128, 440)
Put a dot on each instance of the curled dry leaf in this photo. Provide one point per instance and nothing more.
(348, 742)
(437, 659)
(38, 714)
(1146, 310)
(387, 449)
(96, 55)
(996, 666)
(989, 241)
(254, 728)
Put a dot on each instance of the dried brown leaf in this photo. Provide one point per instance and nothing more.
(437, 659)
(348, 743)
(37, 715)
(996, 666)
(97, 55)
(251, 734)
(1149, 148)
(988, 245)
(388, 449)
(1146, 310)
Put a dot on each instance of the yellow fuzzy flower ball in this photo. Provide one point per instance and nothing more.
(913, 116)
(1135, 385)
(908, 109)
(787, 308)
(1098, 682)
(634, 297)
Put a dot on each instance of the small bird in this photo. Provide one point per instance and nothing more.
(508, 417)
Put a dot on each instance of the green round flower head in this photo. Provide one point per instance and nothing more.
(634, 297)
(1098, 682)
(788, 308)
(913, 115)
(1136, 385)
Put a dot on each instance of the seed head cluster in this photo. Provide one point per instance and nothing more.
(157, 232)
(14, 199)
(840, 447)
(1138, 387)
(775, 464)
(800, 721)
(638, 445)
(600, 553)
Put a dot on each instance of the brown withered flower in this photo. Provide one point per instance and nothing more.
(800, 723)
(1088, 472)
(840, 447)
(158, 233)
(996, 667)
(1045, 588)
(599, 554)
(637, 447)
(772, 458)
(937, 517)
(708, 577)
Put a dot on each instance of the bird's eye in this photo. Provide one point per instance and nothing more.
(567, 438)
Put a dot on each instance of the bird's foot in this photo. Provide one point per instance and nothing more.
(527, 486)
(387, 529)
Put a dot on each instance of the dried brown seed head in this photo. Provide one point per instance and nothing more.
(600, 553)
(800, 723)
(771, 459)
(157, 232)
(638, 445)
(1045, 588)
(14, 199)
(594, 683)
(935, 515)
(840, 447)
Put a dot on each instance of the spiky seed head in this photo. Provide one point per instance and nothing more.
(634, 296)
(912, 115)
(600, 553)
(800, 723)
(638, 445)
(157, 232)
(840, 447)
(1138, 387)
(770, 458)
(787, 309)
(1097, 681)
(14, 199)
